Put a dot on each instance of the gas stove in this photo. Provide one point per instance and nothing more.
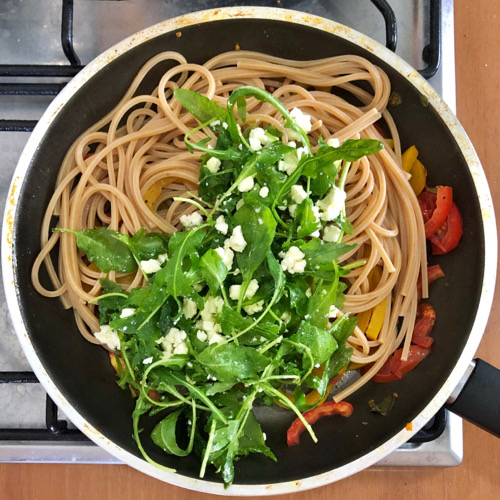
(44, 43)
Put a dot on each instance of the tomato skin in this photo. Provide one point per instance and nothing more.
(449, 234)
(444, 200)
(326, 409)
(427, 202)
(415, 355)
(395, 369)
(426, 317)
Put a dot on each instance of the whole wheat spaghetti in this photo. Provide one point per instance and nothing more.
(125, 171)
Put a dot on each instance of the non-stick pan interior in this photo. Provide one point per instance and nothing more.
(82, 372)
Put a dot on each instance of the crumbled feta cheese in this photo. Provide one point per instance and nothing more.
(192, 220)
(211, 329)
(126, 312)
(308, 292)
(201, 335)
(293, 261)
(108, 336)
(235, 290)
(174, 343)
(315, 234)
(224, 125)
(239, 204)
(257, 138)
(332, 204)
(246, 184)
(333, 142)
(286, 316)
(254, 308)
(300, 152)
(289, 163)
(260, 221)
(213, 164)
(333, 312)
(189, 308)
(227, 256)
(147, 361)
(150, 266)
(237, 241)
(292, 209)
(213, 306)
(221, 225)
(215, 123)
(331, 233)
(264, 191)
(298, 193)
(301, 119)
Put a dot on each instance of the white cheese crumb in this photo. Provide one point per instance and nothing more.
(293, 261)
(221, 225)
(331, 233)
(150, 266)
(333, 312)
(286, 316)
(189, 308)
(257, 138)
(301, 119)
(201, 335)
(308, 292)
(298, 193)
(246, 184)
(289, 163)
(227, 256)
(213, 164)
(254, 308)
(192, 220)
(108, 336)
(260, 221)
(333, 142)
(235, 290)
(237, 241)
(147, 361)
(332, 204)
(126, 312)
(174, 343)
(264, 191)
(292, 209)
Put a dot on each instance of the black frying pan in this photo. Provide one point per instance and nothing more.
(78, 375)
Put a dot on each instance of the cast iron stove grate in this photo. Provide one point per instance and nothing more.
(57, 430)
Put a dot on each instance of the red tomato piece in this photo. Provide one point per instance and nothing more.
(385, 373)
(427, 202)
(326, 409)
(415, 355)
(426, 317)
(433, 273)
(449, 234)
(444, 200)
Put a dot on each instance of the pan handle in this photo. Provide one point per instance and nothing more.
(477, 398)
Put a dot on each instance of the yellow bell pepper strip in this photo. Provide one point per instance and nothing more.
(408, 158)
(418, 177)
(370, 322)
(415, 168)
(153, 193)
(390, 143)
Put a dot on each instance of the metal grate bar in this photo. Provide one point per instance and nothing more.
(432, 52)
(67, 33)
(39, 70)
(391, 29)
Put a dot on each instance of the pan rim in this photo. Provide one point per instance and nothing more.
(406, 71)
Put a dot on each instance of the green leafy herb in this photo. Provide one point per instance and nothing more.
(385, 406)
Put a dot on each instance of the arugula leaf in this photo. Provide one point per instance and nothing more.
(104, 249)
(163, 435)
(233, 322)
(323, 255)
(201, 107)
(258, 227)
(175, 275)
(306, 219)
(320, 342)
(232, 363)
(112, 304)
(213, 270)
(144, 245)
(318, 305)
